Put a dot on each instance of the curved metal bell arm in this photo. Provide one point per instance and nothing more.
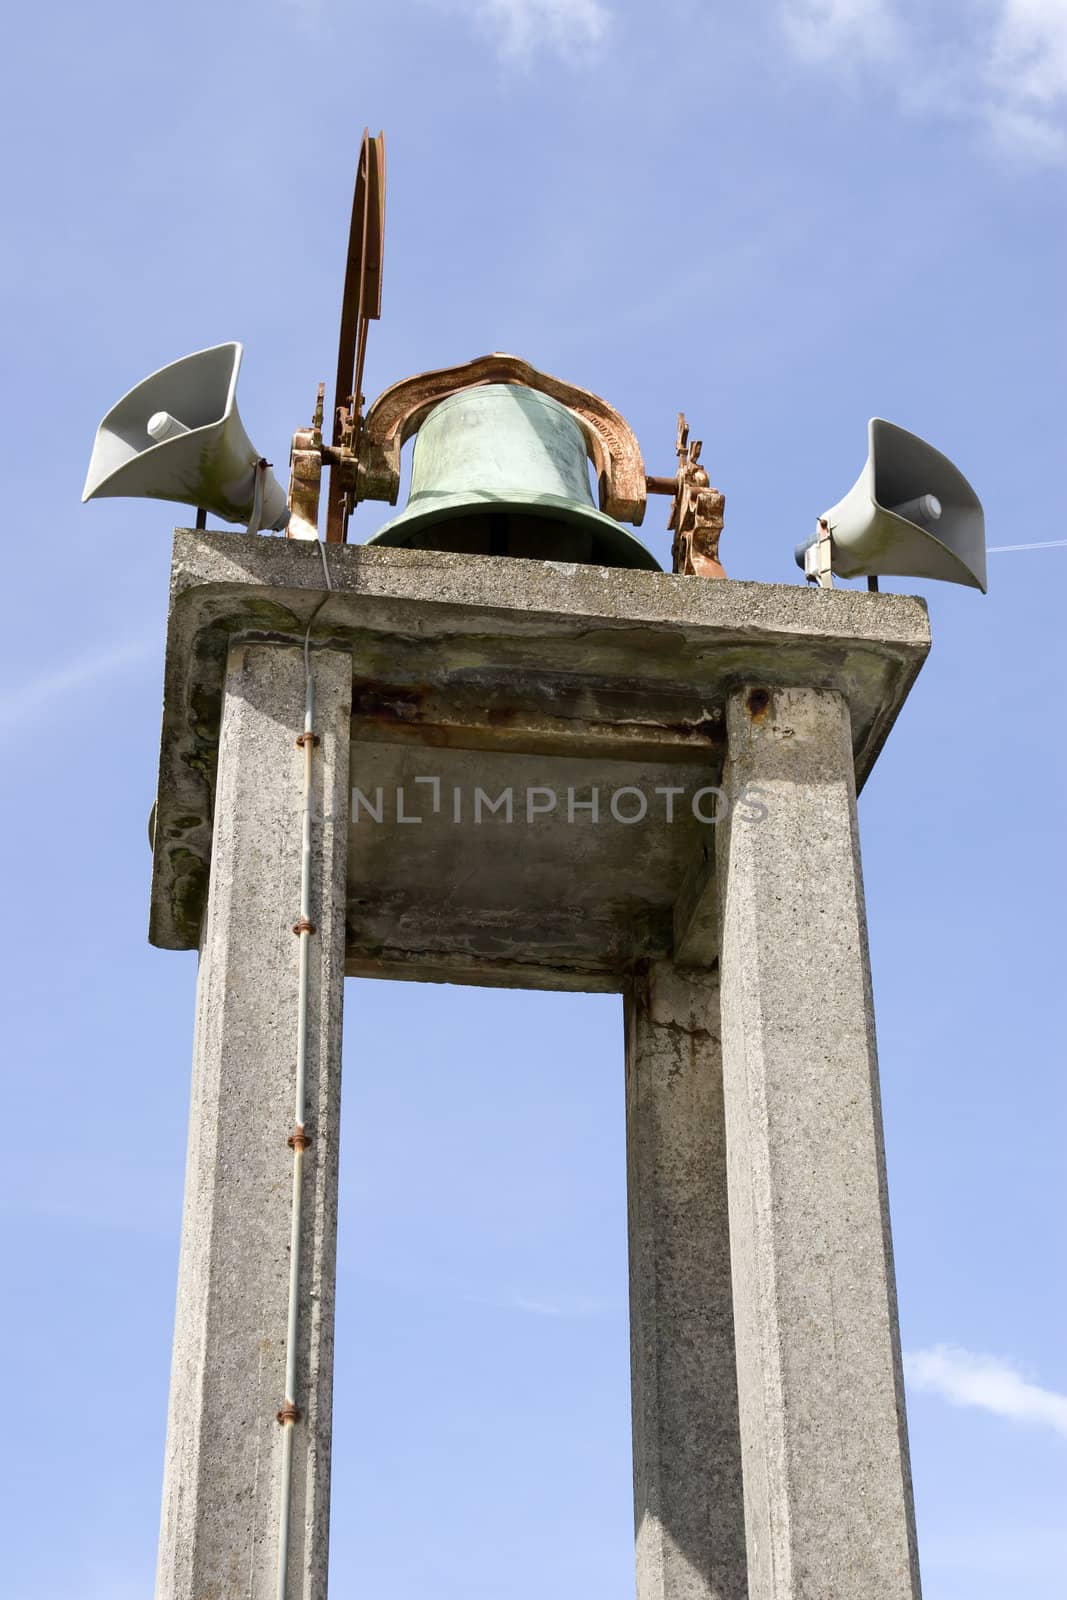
(398, 412)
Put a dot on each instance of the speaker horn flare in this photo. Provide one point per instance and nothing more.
(178, 435)
(910, 514)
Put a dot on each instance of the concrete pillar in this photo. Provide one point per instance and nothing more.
(221, 1481)
(689, 1521)
(828, 1502)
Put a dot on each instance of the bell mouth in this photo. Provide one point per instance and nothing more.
(530, 527)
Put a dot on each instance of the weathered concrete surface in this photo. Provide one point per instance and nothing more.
(510, 672)
(689, 1517)
(541, 897)
(696, 910)
(827, 1484)
(220, 1498)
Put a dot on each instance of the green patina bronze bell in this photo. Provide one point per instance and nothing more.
(502, 470)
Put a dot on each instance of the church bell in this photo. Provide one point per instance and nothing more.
(502, 470)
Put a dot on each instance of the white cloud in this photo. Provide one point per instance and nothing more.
(1030, 49)
(559, 1306)
(562, 1307)
(999, 63)
(993, 1385)
(1025, 134)
(1026, 78)
(522, 29)
(48, 689)
(824, 30)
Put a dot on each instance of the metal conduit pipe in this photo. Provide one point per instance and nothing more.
(298, 1141)
(289, 1415)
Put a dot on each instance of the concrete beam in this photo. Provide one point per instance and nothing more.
(552, 714)
(828, 1499)
(689, 1521)
(520, 668)
(220, 1519)
(454, 967)
(696, 913)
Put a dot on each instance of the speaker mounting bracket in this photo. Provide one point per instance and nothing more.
(818, 557)
(305, 476)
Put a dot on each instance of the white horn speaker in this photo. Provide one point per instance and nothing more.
(178, 436)
(910, 514)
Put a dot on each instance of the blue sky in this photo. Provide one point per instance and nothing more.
(784, 218)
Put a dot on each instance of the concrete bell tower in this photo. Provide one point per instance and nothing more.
(496, 745)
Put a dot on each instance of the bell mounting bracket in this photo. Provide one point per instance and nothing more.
(399, 412)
